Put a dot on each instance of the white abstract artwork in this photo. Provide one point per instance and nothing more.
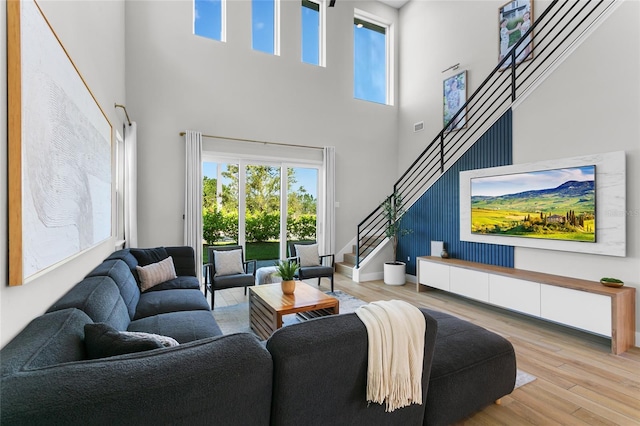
(66, 152)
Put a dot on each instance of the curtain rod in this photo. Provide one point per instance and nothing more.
(257, 141)
(125, 112)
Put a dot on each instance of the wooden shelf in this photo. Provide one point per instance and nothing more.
(621, 301)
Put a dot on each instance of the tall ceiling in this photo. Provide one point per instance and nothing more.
(394, 3)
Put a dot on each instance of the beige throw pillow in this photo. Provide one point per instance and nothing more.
(308, 254)
(228, 262)
(156, 273)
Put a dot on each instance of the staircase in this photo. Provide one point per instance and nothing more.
(554, 34)
(346, 266)
(350, 259)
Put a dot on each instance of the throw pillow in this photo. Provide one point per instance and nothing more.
(148, 256)
(102, 340)
(228, 262)
(308, 254)
(156, 273)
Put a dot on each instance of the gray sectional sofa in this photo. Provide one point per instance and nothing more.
(310, 373)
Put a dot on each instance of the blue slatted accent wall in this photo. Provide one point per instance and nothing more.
(436, 215)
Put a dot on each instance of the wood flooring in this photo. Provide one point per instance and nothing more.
(579, 381)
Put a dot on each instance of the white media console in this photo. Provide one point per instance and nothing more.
(583, 304)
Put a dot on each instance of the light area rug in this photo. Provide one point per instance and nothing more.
(235, 319)
(522, 378)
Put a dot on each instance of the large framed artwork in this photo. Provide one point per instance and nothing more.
(515, 18)
(454, 96)
(59, 152)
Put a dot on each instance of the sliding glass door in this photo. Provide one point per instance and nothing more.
(219, 204)
(262, 198)
(261, 205)
(302, 205)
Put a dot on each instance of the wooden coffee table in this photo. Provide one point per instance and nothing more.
(267, 305)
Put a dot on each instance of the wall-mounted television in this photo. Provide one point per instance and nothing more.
(552, 204)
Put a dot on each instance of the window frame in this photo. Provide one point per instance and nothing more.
(242, 161)
(389, 27)
(223, 22)
(322, 30)
(276, 29)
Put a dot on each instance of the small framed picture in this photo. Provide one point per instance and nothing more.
(515, 18)
(454, 97)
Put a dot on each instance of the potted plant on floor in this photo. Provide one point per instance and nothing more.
(394, 272)
(287, 269)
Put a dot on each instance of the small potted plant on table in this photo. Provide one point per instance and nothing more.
(287, 269)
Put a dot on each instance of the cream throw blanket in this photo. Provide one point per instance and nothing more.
(396, 351)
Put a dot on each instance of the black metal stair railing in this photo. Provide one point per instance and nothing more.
(552, 35)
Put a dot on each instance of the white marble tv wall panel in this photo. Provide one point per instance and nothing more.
(610, 181)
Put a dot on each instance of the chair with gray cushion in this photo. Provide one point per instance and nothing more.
(311, 264)
(228, 269)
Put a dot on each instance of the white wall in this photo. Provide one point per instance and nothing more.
(93, 34)
(590, 104)
(435, 35)
(177, 81)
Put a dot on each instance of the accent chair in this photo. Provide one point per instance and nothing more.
(228, 269)
(311, 264)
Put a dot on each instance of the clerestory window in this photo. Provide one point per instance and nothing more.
(371, 59)
(209, 19)
(313, 32)
(265, 26)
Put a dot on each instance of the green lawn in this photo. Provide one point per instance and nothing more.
(269, 250)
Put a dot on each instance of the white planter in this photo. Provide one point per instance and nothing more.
(394, 273)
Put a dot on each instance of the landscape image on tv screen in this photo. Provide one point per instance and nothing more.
(558, 204)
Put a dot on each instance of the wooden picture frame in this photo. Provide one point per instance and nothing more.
(59, 150)
(454, 96)
(514, 20)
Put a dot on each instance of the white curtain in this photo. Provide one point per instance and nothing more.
(130, 186)
(193, 196)
(329, 183)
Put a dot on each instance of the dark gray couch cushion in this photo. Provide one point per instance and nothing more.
(472, 367)
(184, 260)
(126, 256)
(182, 326)
(161, 302)
(225, 380)
(50, 339)
(148, 256)
(120, 273)
(184, 282)
(98, 297)
(320, 375)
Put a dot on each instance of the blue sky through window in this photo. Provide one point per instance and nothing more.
(310, 33)
(263, 25)
(207, 18)
(370, 67)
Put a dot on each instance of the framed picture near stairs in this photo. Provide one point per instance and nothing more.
(514, 20)
(454, 97)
